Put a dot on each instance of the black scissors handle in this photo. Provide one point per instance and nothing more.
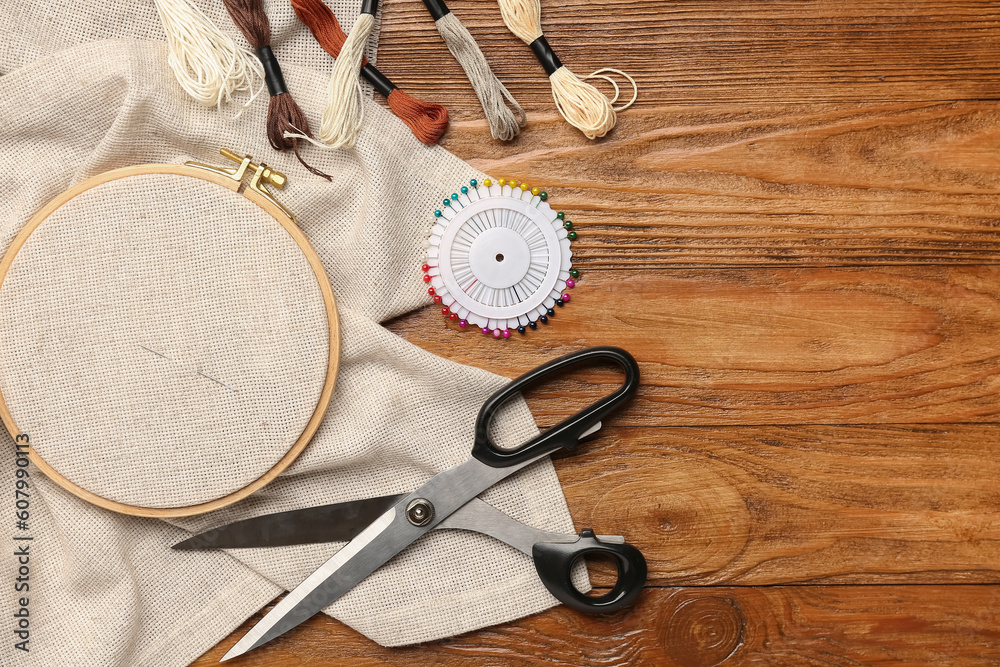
(554, 563)
(567, 433)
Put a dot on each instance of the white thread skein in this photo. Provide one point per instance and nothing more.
(581, 104)
(207, 63)
(505, 124)
(345, 103)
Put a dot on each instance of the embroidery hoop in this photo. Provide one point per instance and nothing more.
(257, 193)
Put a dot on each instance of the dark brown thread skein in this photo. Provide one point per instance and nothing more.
(283, 114)
(427, 121)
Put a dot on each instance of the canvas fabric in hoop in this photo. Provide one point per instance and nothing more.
(399, 414)
(166, 344)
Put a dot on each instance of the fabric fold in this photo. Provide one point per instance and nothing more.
(109, 591)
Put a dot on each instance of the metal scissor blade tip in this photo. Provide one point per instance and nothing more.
(192, 543)
(244, 645)
(324, 586)
(234, 652)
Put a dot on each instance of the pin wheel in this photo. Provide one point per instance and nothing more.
(499, 257)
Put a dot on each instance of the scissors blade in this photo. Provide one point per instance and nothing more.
(374, 546)
(338, 522)
(334, 578)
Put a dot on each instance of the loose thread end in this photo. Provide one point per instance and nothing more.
(285, 119)
(309, 167)
(599, 74)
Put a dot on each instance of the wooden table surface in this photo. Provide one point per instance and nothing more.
(795, 231)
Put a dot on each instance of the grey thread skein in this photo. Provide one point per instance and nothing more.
(505, 124)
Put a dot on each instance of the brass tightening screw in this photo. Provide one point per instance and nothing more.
(270, 176)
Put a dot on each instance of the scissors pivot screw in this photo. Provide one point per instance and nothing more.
(420, 512)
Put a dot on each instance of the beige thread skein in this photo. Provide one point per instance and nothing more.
(345, 101)
(207, 63)
(581, 104)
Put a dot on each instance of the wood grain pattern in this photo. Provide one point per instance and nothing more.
(696, 627)
(795, 504)
(768, 185)
(704, 51)
(774, 346)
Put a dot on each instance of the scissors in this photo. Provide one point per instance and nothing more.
(379, 528)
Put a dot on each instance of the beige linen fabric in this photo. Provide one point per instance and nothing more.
(106, 590)
(164, 340)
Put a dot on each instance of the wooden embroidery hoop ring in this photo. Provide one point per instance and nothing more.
(275, 210)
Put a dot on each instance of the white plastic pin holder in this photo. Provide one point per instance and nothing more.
(499, 257)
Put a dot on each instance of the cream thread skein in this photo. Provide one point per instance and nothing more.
(206, 62)
(581, 104)
(505, 123)
(345, 99)
(427, 121)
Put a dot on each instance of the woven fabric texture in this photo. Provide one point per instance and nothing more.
(164, 340)
(108, 590)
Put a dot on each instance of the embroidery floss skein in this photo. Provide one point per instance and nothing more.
(207, 63)
(582, 105)
(345, 105)
(505, 124)
(284, 117)
(427, 121)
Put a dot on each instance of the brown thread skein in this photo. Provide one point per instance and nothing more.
(283, 114)
(427, 121)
